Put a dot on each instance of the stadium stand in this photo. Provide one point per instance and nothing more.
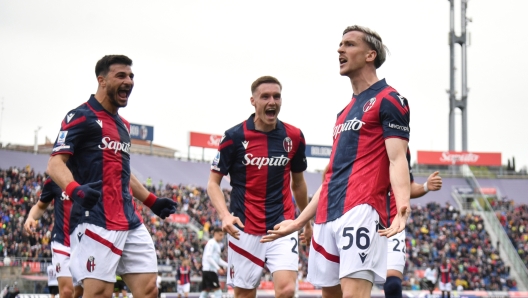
(437, 228)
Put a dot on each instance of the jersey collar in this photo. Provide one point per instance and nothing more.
(250, 123)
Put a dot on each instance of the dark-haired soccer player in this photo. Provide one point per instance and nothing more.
(60, 242)
(265, 159)
(91, 162)
(368, 156)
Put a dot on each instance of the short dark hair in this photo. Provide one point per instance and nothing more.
(217, 230)
(264, 80)
(103, 65)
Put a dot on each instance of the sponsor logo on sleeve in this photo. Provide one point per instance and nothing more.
(61, 139)
(399, 127)
(69, 117)
(216, 160)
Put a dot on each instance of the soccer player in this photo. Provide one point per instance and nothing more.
(212, 265)
(53, 284)
(396, 243)
(368, 156)
(91, 162)
(60, 243)
(265, 159)
(183, 278)
(445, 278)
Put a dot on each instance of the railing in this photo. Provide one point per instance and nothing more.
(481, 203)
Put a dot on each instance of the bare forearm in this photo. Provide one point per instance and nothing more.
(217, 199)
(300, 192)
(59, 172)
(400, 182)
(309, 212)
(417, 190)
(138, 190)
(37, 210)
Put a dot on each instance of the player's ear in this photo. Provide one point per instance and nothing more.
(252, 101)
(371, 55)
(101, 80)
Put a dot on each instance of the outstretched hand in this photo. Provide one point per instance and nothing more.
(398, 223)
(280, 230)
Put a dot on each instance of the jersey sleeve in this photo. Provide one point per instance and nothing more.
(298, 163)
(70, 134)
(225, 155)
(395, 116)
(50, 191)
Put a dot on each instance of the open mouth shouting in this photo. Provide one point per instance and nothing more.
(342, 61)
(271, 113)
(123, 93)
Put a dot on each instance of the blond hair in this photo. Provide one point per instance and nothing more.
(373, 39)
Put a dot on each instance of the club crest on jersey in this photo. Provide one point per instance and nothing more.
(58, 268)
(369, 104)
(90, 264)
(232, 272)
(287, 144)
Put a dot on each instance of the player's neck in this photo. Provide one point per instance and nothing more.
(362, 80)
(103, 99)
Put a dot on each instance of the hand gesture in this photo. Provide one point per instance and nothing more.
(163, 207)
(280, 230)
(228, 225)
(398, 223)
(29, 226)
(306, 236)
(86, 194)
(434, 182)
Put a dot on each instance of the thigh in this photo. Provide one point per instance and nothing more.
(186, 288)
(60, 258)
(360, 244)
(396, 252)
(323, 262)
(210, 281)
(139, 254)
(283, 254)
(246, 259)
(96, 254)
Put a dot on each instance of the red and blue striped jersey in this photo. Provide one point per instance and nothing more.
(391, 200)
(358, 171)
(99, 145)
(184, 274)
(62, 206)
(259, 165)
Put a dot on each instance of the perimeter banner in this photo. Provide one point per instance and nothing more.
(459, 158)
(204, 140)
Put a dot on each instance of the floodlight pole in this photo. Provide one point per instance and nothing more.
(455, 103)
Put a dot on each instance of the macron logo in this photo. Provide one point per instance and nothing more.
(100, 122)
(69, 117)
(245, 144)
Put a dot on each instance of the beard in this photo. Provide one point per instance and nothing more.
(112, 98)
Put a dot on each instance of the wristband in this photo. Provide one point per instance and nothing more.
(70, 187)
(150, 200)
(425, 187)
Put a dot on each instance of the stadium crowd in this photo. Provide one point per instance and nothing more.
(514, 219)
(434, 232)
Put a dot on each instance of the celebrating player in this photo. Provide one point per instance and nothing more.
(368, 155)
(60, 243)
(212, 265)
(183, 278)
(261, 155)
(91, 162)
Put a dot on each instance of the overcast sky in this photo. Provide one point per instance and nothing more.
(194, 63)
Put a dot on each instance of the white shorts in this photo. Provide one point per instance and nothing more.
(349, 246)
(444, 286)
(60, 258)
(246, 258)
(396, 252)
(184, 288)
(102, 254)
